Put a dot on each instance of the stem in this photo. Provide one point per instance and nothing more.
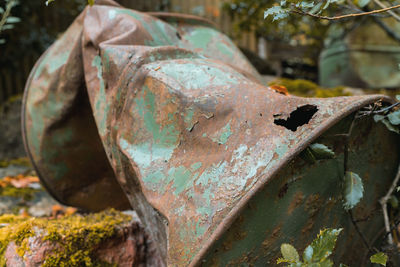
(361, 234)
(345, 168)
(6, 14)
(384, 202)
(297, 11)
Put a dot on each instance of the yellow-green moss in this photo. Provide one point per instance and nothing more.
(26, 193)
(76, 236)
(306, 88)
(24, 161)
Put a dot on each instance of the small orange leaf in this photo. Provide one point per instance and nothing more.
(279, 89)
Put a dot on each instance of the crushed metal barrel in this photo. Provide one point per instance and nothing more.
(162, 113)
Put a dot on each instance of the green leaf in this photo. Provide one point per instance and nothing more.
(321, 151)
(1, 10)
(378, 118)
(2, 41)
(398, 97)
(363, 3)
(390, 126)
(308, 156)
(91, 2)
(394, 117)
(289, 253)
(276, 12)
(398, 188)
(394, 202)
(48, 2)
(353, 190)
(13, 20)
(380, 258)
(323, 246)
(307, 254)
(8, 27)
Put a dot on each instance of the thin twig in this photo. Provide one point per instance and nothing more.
(298, 11)
(345, 169)
(361, 234)
(384, 202)
(390, 12)
(346, 145)
(6, 14)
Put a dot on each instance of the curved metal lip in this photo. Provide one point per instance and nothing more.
(238, 209)
(345, 48)
(23, 129)
(190, 19)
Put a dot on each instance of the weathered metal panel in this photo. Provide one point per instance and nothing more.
(184, 121)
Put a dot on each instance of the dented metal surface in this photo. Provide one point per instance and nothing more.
(171, 109)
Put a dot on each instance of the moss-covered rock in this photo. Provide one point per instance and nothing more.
(107, 238)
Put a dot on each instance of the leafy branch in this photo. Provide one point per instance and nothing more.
(315, 10)
(298, 11)
(7, 21)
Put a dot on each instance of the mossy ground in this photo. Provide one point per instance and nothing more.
(307, 88)
(76, 236)
(24, 161)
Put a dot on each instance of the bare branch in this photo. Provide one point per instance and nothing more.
(297, 11)
(384, 202)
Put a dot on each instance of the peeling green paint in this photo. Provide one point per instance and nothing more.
(102, 106)
(201, 37)
(196, 73)
(224, 49)
(161, 33)
(222, 136)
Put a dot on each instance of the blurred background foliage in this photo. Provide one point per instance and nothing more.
(283, 44)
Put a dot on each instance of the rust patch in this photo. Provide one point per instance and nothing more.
(296, 202)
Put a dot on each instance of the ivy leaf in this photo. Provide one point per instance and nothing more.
(321, 151)
(353, 190)
(394, 117)
(322, 247)
(289, 253)
(380, 258)
(91, 2)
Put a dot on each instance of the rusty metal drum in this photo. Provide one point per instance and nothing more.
(363, 57)
(163, 112)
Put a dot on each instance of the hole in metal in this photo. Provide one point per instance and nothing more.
(302, 115)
